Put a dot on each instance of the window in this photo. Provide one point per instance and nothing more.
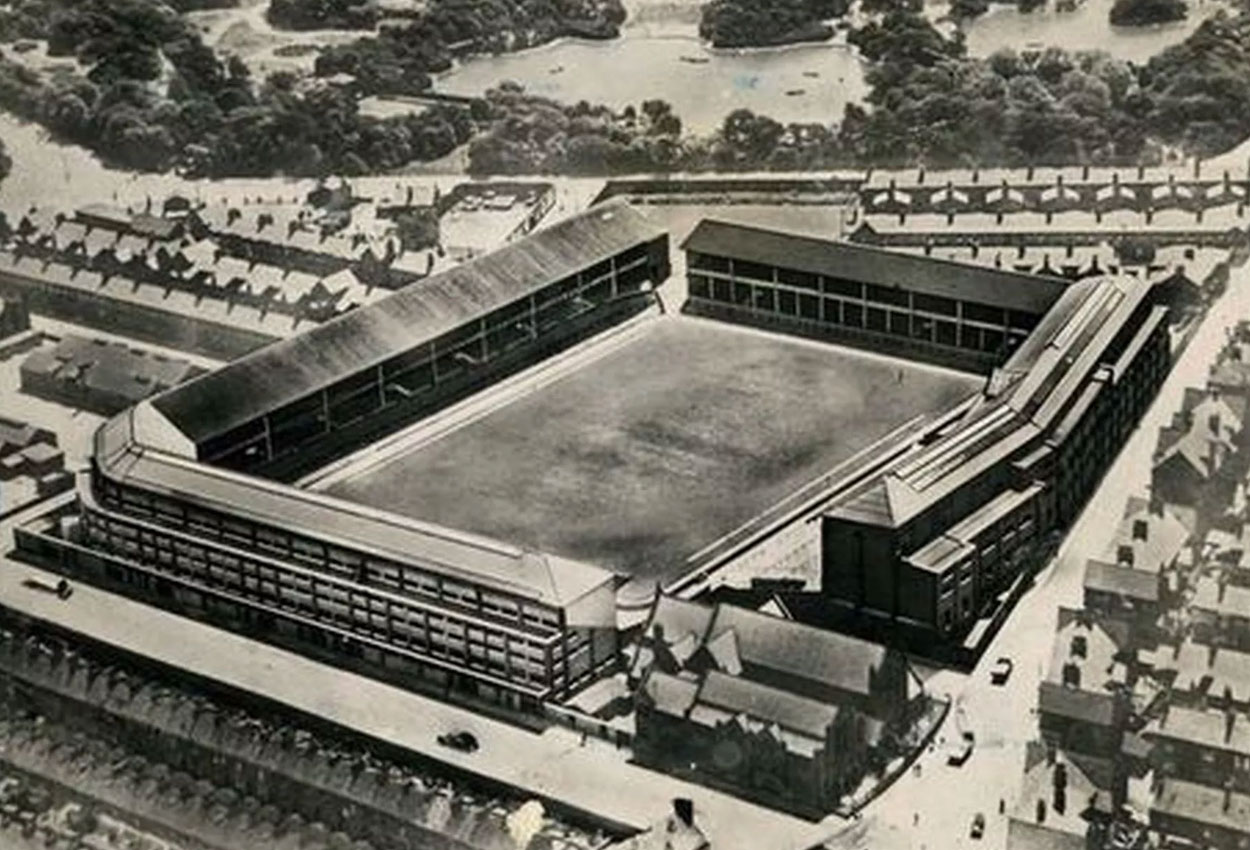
(984, 313)
(742, 294)
(803, 280)
(845, 288)
(993, 340)
(756, 271)
(852, 314)
(766, 299)
(787, 302)
(944, 333)
(935, 304)
(700, 287)
(922, 327)
(809, 307)
(970, 338)
(888, 295)
(900, 323)
(695, 260)
(876, 319)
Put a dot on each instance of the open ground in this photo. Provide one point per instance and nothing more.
(643, 456)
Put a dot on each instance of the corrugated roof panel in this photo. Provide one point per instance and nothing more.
(947, 278)
(363, 338)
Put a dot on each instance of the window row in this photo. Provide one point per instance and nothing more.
(322, 600)
(335, 560)
(420, 369)
(853, 314)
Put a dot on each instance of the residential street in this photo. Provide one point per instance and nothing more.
(945, 799)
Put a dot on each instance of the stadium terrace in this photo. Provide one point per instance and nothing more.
(918, 517)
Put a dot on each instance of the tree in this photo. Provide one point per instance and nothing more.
(418, 230)
(1144, 12)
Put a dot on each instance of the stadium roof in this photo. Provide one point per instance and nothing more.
(294, 368)
(510, 569)
(1024, 399)
(946, 278)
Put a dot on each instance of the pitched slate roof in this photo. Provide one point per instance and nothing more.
(364, 338)
(805, 652)
(737, 696)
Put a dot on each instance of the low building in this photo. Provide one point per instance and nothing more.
(1200, 676)
(1195, 461)
(18, 436)
(1063, 803)
(1220, 612)
(41, 460)
(100, 376)
(1206, 816)
(1129, 581)
(778, 711)
(1204, 745)
(815, 663)
(768, 744)
(1123, 592)
(1084, 700)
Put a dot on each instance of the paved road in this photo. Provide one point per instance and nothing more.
(556, 764)
(946, 799)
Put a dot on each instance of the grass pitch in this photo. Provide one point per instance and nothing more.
(638, 459)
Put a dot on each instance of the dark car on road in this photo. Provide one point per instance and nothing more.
(978, 826)
(466, 742)
(1001, 671)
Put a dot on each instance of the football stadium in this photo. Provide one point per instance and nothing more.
(462, 486)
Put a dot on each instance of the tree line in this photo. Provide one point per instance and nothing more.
(154, 96)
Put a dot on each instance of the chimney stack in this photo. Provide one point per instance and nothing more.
(683, 809)
(1141, 529)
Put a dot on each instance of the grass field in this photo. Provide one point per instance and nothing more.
(638, 459)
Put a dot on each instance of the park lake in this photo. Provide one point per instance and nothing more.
(659, 55)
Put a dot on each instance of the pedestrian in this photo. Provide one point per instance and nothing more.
(915, 818)
(1002, 805)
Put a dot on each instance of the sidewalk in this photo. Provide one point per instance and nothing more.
(593, 777)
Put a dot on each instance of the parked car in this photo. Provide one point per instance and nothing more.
(978, 826)
(464, 741)
(958, 751)
(1001, 671)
